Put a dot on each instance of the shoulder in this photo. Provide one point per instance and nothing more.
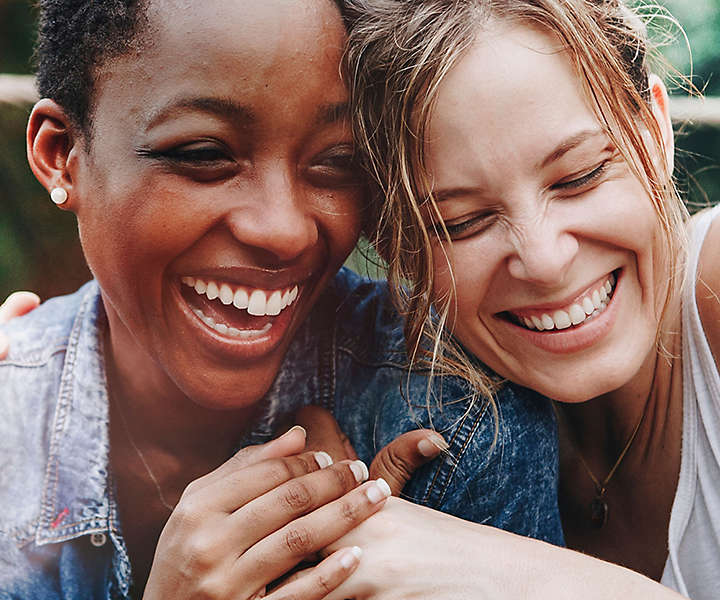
(368, 325)
(707, 287)
(45, 331)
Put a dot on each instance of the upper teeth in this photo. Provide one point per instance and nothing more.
(257, 302)
(593, 303)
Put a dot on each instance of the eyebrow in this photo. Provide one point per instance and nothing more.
(569, 144)
(226, 109)
(332, 113)
(558, 152)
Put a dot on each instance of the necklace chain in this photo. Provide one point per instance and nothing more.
(142, 458)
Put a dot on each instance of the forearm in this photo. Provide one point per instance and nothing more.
(542, 571)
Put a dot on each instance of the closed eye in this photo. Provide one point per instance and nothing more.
(583, 180)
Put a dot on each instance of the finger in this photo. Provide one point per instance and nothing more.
(285, 503)
(323, 433)
(4, 346)
(289, 443)
(276, 554)
(397, 461)
(317, 582)
(18, 304)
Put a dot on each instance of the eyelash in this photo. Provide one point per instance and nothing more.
(583, 180)
(190, 156)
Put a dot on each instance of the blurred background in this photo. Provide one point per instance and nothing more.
(38, 242)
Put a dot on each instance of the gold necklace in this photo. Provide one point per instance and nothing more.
(599, 505)
(141, 456)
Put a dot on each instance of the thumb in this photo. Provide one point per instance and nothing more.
(397, 461)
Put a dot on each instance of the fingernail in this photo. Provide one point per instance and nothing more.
(350, 557)
(432, 445)
(378, 491)
(359, 470)
(293, 428)
(323, 459)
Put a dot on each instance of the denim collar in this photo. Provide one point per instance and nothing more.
(78, 495)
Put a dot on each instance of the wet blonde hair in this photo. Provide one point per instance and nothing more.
(399, 52)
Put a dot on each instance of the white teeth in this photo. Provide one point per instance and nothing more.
(274, 304)
(223, 329)
(547, 322)
(577, 314)
(226, 294)
(257, 304)
(241, 299)
(562, 319)
(212, 291)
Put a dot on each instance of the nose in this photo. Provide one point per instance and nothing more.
(277, 219)
(542, 252)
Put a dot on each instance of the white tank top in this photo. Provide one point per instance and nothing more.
(693, 564)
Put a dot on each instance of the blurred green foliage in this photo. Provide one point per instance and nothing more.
(38, 242)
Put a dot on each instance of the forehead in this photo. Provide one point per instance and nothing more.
(279, 50)
(517, 86)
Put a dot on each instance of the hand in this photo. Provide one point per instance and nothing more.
(254, 518)
(15, 305)
(411, 551)
(395, 463)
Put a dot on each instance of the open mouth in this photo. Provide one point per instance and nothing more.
(237, 311)
(575, 315)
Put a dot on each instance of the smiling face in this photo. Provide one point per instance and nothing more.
(217, 197)
(554, 239)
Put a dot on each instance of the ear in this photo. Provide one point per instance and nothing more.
(52, 145)
(661, 112)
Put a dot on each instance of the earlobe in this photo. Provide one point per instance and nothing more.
(50, 141)
(661, 112)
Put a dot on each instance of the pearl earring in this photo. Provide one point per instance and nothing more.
(58, 195)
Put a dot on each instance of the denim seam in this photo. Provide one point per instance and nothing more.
(19, 363)
(445, 484)
(61, 414)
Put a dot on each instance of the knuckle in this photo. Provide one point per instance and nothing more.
(300, 541)
(350, 511)
(279, 470)
(396, 463)
(324, 583)
(200, 555)
(343, 476)
(297, 497)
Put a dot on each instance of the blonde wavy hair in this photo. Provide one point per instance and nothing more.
(399, 52)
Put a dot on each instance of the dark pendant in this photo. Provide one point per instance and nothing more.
(598, 512)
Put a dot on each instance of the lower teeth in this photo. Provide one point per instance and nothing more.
(223, 329)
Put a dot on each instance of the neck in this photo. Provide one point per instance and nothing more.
(601, 427)
(158, 413)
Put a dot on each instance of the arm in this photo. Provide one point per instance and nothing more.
(410, 551)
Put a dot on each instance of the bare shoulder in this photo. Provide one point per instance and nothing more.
(707, 288)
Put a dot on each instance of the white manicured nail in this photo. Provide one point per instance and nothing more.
(350, 557)
(378, 491)
(323, 459)
(359, 470)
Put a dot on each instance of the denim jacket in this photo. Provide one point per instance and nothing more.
(60, 533)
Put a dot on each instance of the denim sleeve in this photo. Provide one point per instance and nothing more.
(500, 470)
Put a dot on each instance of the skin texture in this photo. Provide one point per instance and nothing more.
(551, 219)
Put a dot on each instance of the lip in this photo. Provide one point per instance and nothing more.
(254, 277)
(239, 348)
(573, 339)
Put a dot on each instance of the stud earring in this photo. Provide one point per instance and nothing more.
(58, 195)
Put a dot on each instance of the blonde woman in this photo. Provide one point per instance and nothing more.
(522, 155)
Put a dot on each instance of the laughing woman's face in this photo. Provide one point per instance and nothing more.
(218, 195)
(554, 238)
